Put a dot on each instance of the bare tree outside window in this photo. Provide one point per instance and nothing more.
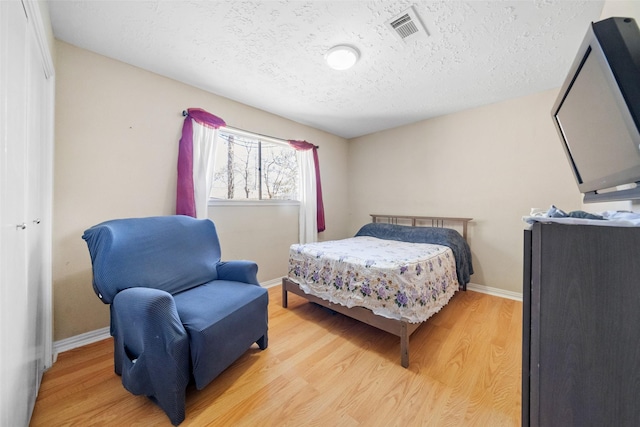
(279, 172)
(230, 157)
(253, 169)
(246, 167)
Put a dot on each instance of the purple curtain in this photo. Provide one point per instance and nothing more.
(303, 146)
(185, 202)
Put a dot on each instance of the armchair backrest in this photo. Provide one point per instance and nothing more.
(171, 253)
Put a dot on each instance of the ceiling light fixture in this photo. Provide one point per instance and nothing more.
(342, 57)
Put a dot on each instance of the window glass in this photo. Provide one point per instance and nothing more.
(248, 167)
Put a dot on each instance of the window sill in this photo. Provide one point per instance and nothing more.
(237, 203)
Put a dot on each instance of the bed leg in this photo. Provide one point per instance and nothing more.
(284, 295)
(404, 345)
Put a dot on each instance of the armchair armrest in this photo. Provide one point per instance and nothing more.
(239, 271)
(152, 348)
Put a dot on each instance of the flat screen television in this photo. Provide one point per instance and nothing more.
(597, 112)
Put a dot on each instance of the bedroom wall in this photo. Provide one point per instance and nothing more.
(492, 163)
(117, 132)
(623, 8)
(117, 128)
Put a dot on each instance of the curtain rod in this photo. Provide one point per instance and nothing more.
(185, 114)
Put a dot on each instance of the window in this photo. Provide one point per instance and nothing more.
(252, 167)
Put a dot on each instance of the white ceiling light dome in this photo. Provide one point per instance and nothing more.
(342, 57)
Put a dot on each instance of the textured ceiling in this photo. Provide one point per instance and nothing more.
(270, 54)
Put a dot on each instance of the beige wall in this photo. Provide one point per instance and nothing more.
(492, 163)
(239, 227)
(621, 8)
(117, 130)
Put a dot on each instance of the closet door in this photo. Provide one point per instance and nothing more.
(35, 174)
(25, 155)
(14, 322)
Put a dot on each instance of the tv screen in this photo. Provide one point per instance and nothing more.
(597, 113)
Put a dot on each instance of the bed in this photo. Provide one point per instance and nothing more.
(394, 274)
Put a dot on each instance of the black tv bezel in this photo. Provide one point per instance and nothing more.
(615, 45)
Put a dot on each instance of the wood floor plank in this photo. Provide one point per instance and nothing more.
(323, 369)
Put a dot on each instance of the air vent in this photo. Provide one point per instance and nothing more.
(407, 26)
(404, 26)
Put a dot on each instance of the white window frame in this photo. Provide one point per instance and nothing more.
(253, 202)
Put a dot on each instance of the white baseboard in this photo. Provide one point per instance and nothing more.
(471, 286)
(495, 291)
(272, 283)
(79, 340)
(103, 333)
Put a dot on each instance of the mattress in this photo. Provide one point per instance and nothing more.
(394, 279)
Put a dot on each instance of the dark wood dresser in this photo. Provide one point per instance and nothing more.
(581, 326)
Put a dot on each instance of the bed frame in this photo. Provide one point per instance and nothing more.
(400, 328)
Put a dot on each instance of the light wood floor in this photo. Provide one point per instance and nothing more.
(323, 369)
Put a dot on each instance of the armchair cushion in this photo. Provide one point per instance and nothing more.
(221, 313)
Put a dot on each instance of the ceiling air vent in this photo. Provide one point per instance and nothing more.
(407, 26)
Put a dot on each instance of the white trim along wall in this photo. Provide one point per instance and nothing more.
(103, 333)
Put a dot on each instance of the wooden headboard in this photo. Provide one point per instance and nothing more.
(433, 221)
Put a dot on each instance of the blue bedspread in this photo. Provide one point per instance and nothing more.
(439, 236)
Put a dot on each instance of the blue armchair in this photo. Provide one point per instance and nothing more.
(178, 314)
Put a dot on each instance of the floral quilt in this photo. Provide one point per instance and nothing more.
(398, 280)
